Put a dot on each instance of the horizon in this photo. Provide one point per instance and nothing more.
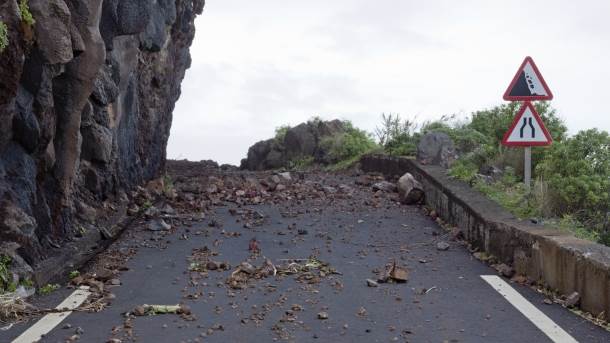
(260, 66)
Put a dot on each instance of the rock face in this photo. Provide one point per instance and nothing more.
(436, 148)
(301, 141)
(86, 100)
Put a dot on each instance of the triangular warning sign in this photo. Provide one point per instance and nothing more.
(527, 129)
(528, 84)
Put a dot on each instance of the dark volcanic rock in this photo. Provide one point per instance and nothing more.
(436, 148)
(301, 141)
(86, 101)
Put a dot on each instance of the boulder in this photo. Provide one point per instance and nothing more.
(436, 148)
(410, 191)
(300, 141)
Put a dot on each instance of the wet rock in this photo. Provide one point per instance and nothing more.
(410, 191)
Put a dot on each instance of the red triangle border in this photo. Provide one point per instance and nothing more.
(517, 120)
(516, 78)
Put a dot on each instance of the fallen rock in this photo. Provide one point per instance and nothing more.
(384, 186)
(371, 283)
(505, 270)
(286, 176)
(323, 315)
(159, 225)
(442, 246)
(410, 191)
(572, 300)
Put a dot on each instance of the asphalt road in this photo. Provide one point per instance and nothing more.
(444, 300)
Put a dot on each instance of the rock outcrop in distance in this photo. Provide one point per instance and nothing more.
(86, 99)
(300, 142)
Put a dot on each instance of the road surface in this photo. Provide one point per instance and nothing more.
(352, 230)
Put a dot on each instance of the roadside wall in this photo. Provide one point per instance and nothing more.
(543, 254)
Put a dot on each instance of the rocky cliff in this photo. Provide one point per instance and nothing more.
(87, 90)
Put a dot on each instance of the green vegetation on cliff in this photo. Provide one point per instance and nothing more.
(3, 36)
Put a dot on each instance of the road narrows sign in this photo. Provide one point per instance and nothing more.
(527, 129)
(528, 84)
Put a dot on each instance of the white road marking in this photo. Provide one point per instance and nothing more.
(51, 320)
(544, 323)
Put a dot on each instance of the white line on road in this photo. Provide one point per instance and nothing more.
(51, 320)
(544, 323)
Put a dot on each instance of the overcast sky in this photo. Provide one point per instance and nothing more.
(261, 64)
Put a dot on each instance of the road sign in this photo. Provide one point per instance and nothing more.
(528, 84)
(527, 129)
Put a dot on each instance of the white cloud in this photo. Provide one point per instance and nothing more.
(258, 65)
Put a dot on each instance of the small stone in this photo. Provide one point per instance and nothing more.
(322, 315)
(115, 282)
(139, 311)
(371, 283)
(159, 225)
(505, 270)
(67, 326)
(572, 300)
(442, 246)
(79, 331)
(547, 301)
(302, 232)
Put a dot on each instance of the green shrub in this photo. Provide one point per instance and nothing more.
(351, 144)
(397, 136)
(26, 15)
(578, 172)
(3, 36)
(280, 132)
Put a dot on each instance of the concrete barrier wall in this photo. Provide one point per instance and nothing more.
(543, 254)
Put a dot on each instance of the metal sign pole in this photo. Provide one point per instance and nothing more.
(527, 168)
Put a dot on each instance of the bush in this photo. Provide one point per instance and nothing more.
(3, 36)
(280, 132)
(397, 136)
(349, 145)
(578, 173)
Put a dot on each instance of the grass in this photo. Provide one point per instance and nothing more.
(301, 163)
(48, 289)
(511, 194)
(168, 185)
(73, 274)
